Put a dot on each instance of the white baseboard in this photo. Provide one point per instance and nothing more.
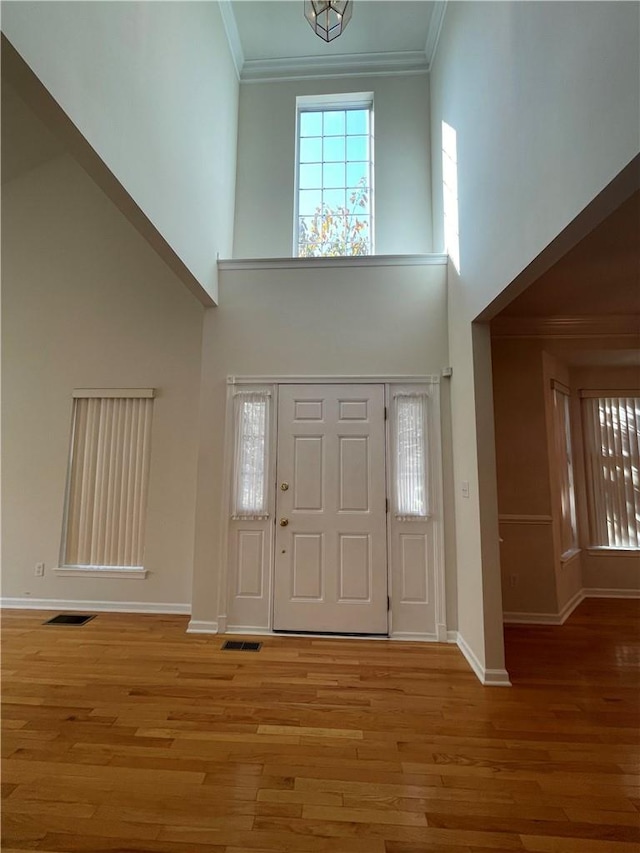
(249, 630)
(408, 637)
(196, 626)
(487, 677)
(514, 618)
(611, 593)
(97, 606)
(452, 637)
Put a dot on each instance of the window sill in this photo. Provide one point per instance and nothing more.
(332, 262)
(113, 572)
(605, 551)
(570, 555)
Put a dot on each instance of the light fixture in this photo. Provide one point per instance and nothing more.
(328, 18)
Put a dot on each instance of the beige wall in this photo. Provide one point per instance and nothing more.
(305, 322)
(266, 163)
(153, 89)
(87, 303)
(532, 110)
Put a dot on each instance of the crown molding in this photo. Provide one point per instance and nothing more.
(435, 29)
(392, 63)
(233, 35)
(345, 65)
(332, 263)
(566, 327)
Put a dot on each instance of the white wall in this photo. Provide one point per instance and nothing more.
(282, 322)
(153, 89)
(87, 303)
(266, 163)
(544, 101)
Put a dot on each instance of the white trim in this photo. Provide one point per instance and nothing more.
(234, 264)
(487, 677)
(112, 572)
(570, 556)
(434, 32)
(331, 380)
(560, 618)
(99, 606)
(250, 630)
(408, 637)
(594, 551)
(111, 393)
(196, 626)
(391, 63)
(452, 637)
(233, 35)
(525, 519)
(611, 593)
(565, 327)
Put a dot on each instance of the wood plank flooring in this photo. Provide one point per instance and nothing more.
(129, 735)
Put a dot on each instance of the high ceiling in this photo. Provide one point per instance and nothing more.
(273, 39)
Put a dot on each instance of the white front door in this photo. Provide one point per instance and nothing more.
(331, 543)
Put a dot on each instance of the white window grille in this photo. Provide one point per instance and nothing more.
(611, 429)
(334, 175)
(251, 431)
(410, 463)
(108, 478)
(564, 458)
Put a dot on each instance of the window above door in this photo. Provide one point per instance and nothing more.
(334, 175)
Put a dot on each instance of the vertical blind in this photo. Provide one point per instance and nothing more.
(410, 456)
(251, 424)
(611, 427)
(564, 458)
(108, 476)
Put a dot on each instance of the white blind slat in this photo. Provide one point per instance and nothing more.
(109, 467)
(613, 469)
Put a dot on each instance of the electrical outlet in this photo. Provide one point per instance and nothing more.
(513, 580)
(39, 572)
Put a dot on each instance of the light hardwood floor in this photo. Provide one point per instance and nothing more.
(129, 735)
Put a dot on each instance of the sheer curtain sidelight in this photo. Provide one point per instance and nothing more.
(251, 426)
(564, 459)
(410, 431)
(108, 478)
(611, 428)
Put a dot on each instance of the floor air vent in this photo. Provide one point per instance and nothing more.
(69, 619)
(239, 646)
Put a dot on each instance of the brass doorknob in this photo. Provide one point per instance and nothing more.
(284, 486)
(284, 522)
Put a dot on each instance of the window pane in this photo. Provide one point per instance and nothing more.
(308, 201)
(311, 150)
(310, 177)
(334, 123)
(334, 148)
(409, 452)
(358, 121)
(310, 124)
(357, 148)
(250, 497)
(357, 172)
(333, 199)
(358, 200)
(334, 175)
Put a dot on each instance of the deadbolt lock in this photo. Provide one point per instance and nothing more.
(284, 522)
(284, 486)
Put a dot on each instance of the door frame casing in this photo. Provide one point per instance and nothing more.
(434, 448)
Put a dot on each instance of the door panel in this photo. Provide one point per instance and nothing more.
(331, 553)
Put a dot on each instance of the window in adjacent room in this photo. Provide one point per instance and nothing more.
(611, 432)
(107, 479)
(334, 176)
(564, 460)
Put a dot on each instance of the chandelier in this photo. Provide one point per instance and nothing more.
(328, 18)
